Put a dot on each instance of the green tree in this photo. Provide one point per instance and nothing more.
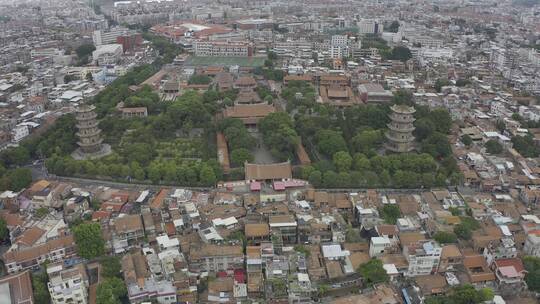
(367, 140)
(424, 128)
(241, 155)
(268, 99)
(500, 125)
(444, 237)
(279, 134)
(110, 266)
(315, 178)
(20, 178)
(465, 294)
(532, 278)
(466, 140)
(89, 240)
(329, 142)
(85, 50)
(110, 291)
(390, 213)
(40, 289)
(361, 162)
(493, 147)
(402, 53)
(462, 82)
(330, 179)
(526, 146)
(17, 156)
(393, 27)
(463, 232)
(199, 79)
(4, 231)
(41, 212)
(272, 55)
(373, 272)
(89, 77)
(403, 97)
(342, 161)
(136, 171)
(441, 119)
(207, 175)
(441, 82)
(302, 249)
(437, 145)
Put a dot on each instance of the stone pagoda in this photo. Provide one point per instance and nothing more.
(400, 136)
(90, 141)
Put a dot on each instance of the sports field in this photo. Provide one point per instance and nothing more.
(225, 61)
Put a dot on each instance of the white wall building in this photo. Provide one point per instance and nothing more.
(19, 133)
(369, 26)
(377, 246)
(423, 258)
(532, 245)
(222, 49)
(67, 285)
(109, 36)
(107, 54)
(339, 40)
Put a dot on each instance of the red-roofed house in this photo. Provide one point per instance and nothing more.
(101, 215)
(510, 274)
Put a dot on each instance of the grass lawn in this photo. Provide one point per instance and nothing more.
(225, 61)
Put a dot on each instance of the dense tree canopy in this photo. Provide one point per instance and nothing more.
(39, 287)
(390, 213)
(401, 53)
(441, 82)
(110, 266)
(465, 294)
(466, 227)
(299, 94)
(342, 161)
(532, 278)
(199, 79)
(493, 147)
(89, 240)
(373, 272)
(393, 27)
(279, 135)
(241, 155)
(4, 231)
(526, 146)
(444, 237)
(110, 291)
(466, 140)
(330, 142)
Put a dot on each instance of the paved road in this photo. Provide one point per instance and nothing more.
(261, 154)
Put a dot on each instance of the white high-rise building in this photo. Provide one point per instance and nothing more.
(109, 36)
(339, 40)
(369, 26)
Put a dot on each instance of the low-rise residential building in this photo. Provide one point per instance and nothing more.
(423, 258)
(215, 258)
(222, 48)
(532, 245)
(67, 285)
(54, 251)
(126, 231)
